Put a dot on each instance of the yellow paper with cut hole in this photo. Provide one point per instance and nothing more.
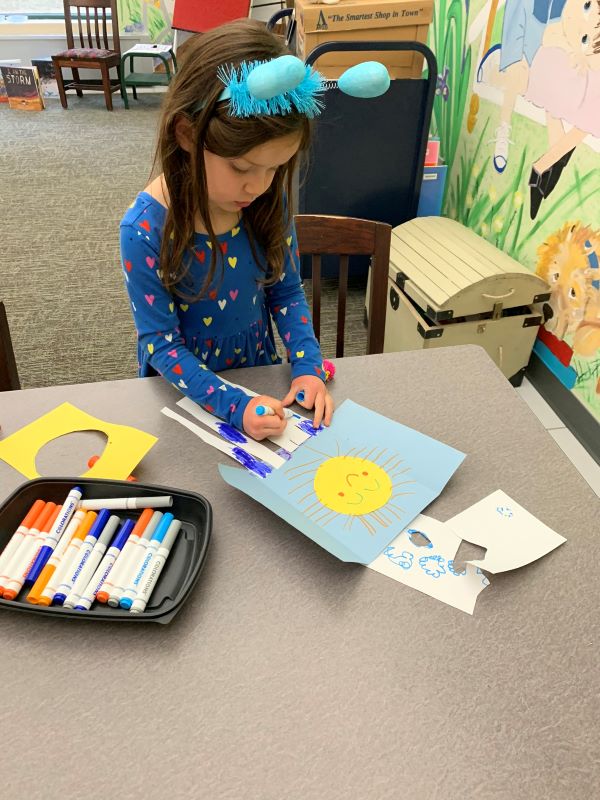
(125, 448)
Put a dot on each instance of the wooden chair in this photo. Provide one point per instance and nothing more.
(9, 377)
(91, 51)
(321, 234)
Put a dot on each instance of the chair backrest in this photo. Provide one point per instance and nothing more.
(9, 377)
(321, 234)
(91, 21)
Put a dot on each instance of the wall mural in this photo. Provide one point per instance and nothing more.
(517, 109)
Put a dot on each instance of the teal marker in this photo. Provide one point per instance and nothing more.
(144, 558)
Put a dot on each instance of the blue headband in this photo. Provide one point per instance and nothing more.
(285, 85)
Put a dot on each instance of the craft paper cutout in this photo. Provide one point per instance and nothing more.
(422, 557)
(243, 456)
(124, 449)
(513, 537)
(354, 487)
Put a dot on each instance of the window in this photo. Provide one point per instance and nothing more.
(30, 7)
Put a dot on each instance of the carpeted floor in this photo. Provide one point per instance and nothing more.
(66, 179)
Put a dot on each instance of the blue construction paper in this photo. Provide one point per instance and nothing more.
(359, 443)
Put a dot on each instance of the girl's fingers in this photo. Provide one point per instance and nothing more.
(319, 409)
(328, 409)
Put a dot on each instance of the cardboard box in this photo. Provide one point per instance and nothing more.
(360, 20)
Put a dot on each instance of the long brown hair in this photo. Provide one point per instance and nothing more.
(267, 219)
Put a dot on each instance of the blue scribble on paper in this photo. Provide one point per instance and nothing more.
(402, 559)
(250, 462)
(457, 572)
(283, 453)
(230, 433)
(432, 565)
(505, 511)
(306, 426)
(484, 580)
(416, 537)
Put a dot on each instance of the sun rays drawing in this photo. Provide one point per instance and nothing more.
(355, 486)
(362, 487)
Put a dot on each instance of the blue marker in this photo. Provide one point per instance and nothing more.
(300, 396)
(104, 567)
(267, 411)
(145, 557)
(54, 534)
(81, 556)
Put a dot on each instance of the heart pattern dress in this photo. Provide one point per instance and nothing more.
(230, 326)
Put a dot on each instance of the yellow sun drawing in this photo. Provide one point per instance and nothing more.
(352, 485)
(361, 485)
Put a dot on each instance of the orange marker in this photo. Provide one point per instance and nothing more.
(11, 569)
(17, 538)
(93, 460)
(67, 560)
(134, 537)
(25, 555)
(55, 559)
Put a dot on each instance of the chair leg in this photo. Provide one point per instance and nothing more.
(134, 92)
(124, 98)
(106, 86)
(61, 85)
(77, 80)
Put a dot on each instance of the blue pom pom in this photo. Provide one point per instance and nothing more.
(276, 77)
(303, 96)
(369, 79)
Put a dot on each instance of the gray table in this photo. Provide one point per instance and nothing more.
(289, 674)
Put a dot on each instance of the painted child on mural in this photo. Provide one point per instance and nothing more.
(564, 80)
(550, 55)
(522, 32)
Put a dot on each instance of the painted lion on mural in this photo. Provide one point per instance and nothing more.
(569, 260)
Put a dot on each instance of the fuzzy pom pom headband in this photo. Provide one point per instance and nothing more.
(286, 84)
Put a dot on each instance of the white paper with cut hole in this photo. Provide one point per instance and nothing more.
(422, 557)
(511, 535)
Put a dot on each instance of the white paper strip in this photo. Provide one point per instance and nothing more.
(293, 436)
(231, 434)
(241, 456)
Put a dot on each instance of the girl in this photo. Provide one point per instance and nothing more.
(209, 248)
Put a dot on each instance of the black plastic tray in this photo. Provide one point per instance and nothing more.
(180, 572)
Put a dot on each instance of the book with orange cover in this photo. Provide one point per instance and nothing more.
(22, 85)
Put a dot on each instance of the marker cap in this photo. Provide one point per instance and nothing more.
(99, 523)
(162, 527)
(123, 534)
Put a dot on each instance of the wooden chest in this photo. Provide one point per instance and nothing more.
(448, 286)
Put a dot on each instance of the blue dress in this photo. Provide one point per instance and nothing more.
(187, 342)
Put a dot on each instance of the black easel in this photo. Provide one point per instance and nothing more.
(367, 155)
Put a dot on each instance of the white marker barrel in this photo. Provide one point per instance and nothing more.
(155, 568)
(87, 569)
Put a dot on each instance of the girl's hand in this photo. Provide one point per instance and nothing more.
(315, 396)
(260, 426)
